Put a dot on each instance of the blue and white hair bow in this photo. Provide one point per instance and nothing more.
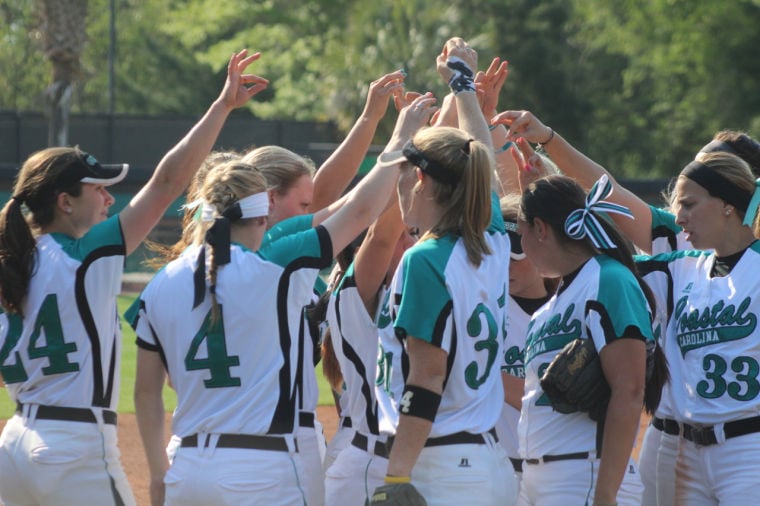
(582, 222)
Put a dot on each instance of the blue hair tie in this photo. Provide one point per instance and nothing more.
(582, 222)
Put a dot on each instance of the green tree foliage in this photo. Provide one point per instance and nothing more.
(638, 85)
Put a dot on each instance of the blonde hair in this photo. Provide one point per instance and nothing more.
(224, 185)
(165, 254)
(35, 190)
(734, 170)
(466, 204)
(281, 167)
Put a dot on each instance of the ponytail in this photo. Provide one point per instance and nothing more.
(17, 257)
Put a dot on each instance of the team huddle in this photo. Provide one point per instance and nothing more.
(491, 335)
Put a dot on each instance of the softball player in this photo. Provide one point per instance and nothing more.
(442, 323)
(527, 293)
(709, 332)
(237, 418)
(61, 344)
(569, 457)
(362, 465)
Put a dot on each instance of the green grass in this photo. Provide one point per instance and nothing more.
(129, 353)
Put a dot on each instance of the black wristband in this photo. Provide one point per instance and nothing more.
(419, 402)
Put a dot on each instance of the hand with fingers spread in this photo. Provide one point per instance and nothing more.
(524, 124)
(239, 87)
(489, 85)
(380, 91)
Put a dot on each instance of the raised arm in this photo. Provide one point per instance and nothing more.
(373, 258)
(489, 85)
(349, 216)
(584, 170)
(455, 65)
(334, 176)
(178, 166)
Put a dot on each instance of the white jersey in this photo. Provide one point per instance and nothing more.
(438, 296)
(236, 374)
(711, 339)
(354, 339)
(66, 351)
(598, 302)
(308, 338)
(666, 238)
(514, 365)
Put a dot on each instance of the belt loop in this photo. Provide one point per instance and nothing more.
(720, 433)
(203, 441)
(489, 440)
(98, 414)
(29, 413)
(292, 443)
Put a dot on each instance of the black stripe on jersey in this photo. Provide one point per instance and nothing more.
(101, 395)
(667, 233)
(452, 355)
(284, 414)
(606, 322)
(301, 358)
(440, 324)
(370, 409)
(649, 266)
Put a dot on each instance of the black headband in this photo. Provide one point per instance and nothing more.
(430, 167)
(717, 147)
(716, 185)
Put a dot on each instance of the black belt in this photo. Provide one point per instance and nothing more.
(666, 425)
(457, 438)
(517, 464)
(705, 436)
(460, 438)
(244, 441)
(346, 422)
(555, 458)
(306, 419)
(362, 442)
(69, 414)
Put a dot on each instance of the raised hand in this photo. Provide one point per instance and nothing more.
(239, 87)
(380, 91)
(413, 117)
(456, 47)
(524, 124)
(530, 164)
(489, 84)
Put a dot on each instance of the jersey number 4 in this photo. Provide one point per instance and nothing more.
(217, 361)
(55, 348)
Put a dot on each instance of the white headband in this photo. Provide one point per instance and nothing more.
(252, 206)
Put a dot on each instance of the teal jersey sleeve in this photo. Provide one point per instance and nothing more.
(289, 226)
(313, 247)
(105, 234)
(662, 219)
(621, 297)
(425, 299)
(497, 221)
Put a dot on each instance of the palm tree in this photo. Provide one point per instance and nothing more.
(64, 34)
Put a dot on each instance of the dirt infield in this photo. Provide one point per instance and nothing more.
(133, 458)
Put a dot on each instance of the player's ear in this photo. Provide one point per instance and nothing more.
(541, 228)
